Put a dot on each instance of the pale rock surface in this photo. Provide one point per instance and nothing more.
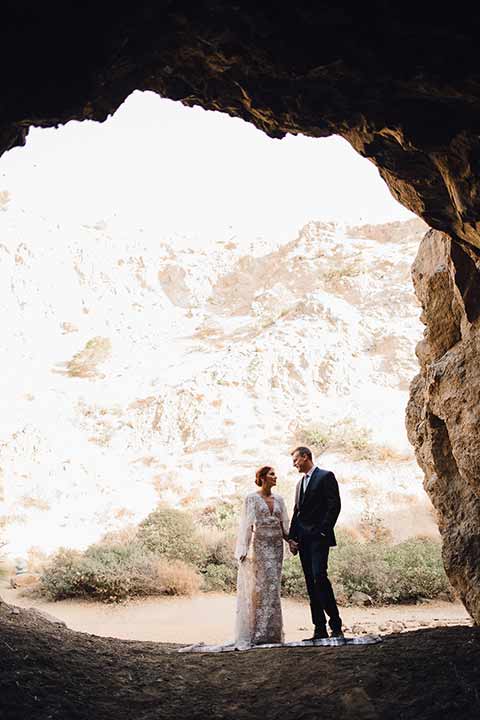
(138, 371)
(443, 415)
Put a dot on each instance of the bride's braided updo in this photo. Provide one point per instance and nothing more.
(261, 474)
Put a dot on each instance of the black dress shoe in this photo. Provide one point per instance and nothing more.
(337, 633)
(318, 635)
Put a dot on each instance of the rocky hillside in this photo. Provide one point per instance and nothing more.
(136, 371)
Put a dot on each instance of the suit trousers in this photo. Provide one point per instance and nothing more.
(314, 558)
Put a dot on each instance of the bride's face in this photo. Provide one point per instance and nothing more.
(270, 479)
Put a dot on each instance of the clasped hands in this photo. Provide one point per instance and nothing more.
(293, 545)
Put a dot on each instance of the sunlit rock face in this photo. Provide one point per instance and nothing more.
(138, 372)
(378, 74)
(443, 416)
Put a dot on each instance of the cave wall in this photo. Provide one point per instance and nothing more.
(443, 415)
(399, 81)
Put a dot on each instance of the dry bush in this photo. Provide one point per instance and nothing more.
(123, 536)
(175, 577)
(388, 454)
(37, 560)
(349, 439)
(84, 363)
(28, 501)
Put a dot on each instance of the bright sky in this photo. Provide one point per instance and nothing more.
(186, 172)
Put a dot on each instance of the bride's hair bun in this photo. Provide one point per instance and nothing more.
(261, 474)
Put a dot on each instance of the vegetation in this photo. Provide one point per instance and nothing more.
(347, 438)
(3, 566)
(112, 573)
(390, 573)
(170, 553)
(387, 572)
(175, 553)
(171, 533)
(3, 543)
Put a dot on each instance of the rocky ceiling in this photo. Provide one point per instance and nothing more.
(400, 81)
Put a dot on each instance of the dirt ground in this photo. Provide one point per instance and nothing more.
(210, 617)
(49, 672)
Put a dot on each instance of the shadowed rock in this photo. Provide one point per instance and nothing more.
(401, 86)
(443, 418)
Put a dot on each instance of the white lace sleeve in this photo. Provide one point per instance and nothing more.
(284, 519)
(247, 521)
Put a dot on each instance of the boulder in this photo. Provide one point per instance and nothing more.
(360, 598)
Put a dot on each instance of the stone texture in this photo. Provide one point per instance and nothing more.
(402, 86)
(217, 382)
(443, 415)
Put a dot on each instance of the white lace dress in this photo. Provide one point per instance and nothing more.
(260, 538)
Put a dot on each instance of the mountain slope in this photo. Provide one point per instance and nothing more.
(134, 371)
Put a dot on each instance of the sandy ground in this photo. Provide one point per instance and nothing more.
(210, 617)
(48, 672)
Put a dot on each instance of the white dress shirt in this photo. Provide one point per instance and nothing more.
(306, 478)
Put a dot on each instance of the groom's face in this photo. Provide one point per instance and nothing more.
(300, 462)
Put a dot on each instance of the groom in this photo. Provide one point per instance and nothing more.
(317, 506)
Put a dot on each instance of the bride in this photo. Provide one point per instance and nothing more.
(263, 528)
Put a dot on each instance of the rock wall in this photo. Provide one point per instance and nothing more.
(402, 85)
(443, 415)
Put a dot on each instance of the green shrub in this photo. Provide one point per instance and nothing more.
(350, 440)
(416, 570)
(222, 515)
(359, 566)
(293, 581)
(171, 533)
(219, 578)
(63, 576)
(387, 573)
(344, 437)
(112, 572)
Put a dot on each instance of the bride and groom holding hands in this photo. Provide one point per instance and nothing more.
(264, 527)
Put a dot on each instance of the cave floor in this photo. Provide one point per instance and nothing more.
(50, 672)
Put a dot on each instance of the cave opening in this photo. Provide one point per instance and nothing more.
(402, 88)
(190, 299)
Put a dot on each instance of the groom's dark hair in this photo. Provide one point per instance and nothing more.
(303, 451)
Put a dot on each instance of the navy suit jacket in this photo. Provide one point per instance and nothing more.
(316, 515)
